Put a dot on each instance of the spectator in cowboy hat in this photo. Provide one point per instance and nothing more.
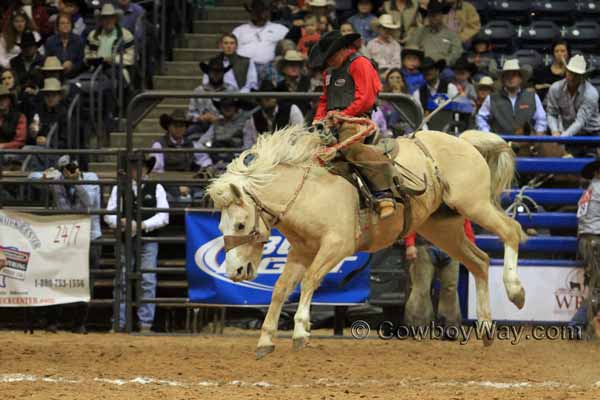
(50, 111)
(384, 49)
(272, 114)
(102, 42)
(226, 132)
(482, 56)
(153, 195)
(242, 75)
(257, 39)
(588, 247)
(364, 21)
(404, 13)
(484, 88)
(202, 112)
(29, 60)
(436, 40)
(434, 84)
(291, 67)
(461, 84)
(66, 46)
(412, 58)
(572, 102)
(512, 110)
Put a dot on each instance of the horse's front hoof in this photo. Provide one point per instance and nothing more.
(300, 343)
(264, 351)
(519, 299)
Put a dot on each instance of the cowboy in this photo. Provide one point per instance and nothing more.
(572, 103)
(50, 111)
(258, 38)
(512, 110)
(291, 67)
(351, 88)
(271, 115)
(202, 111)
(588, 234)
(384, 49)
(153, 196)
(437, 41)
(26, 64)
(242, 74)
(483, 89)
(226, 132)
(434, 84)
(464, 70)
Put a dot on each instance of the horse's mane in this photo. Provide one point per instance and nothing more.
(292, 145)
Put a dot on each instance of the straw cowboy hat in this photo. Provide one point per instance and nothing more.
(178, 115)
(387, 21)
(108, 10)
(290, 57)
(52, 85)
(318, 3)
(577, 65)
(329, 43)
(512, 65)
(485, 81)
(590, 169)
(52, 64)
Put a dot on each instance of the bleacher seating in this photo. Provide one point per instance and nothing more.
(501, 34)
(538, 35)
(554, 10)
(588, 10)
(515, 11)
(583, 36)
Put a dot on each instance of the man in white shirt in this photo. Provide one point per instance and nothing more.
(242, 75)
(257, 39)
(153, 196)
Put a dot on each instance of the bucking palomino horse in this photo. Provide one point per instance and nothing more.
(280, 182)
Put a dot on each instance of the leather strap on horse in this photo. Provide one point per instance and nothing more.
(324, 155)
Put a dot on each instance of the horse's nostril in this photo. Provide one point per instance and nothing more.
(249, 268)
(239, 270)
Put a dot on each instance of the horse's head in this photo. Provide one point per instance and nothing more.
(244, 232)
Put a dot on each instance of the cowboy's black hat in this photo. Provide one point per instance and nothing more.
(227, 102)
(480, 38)
(463, 64)
(428, 63)
(214, 64)
(437, 7)
(28, 40)
(178, 115)
(590, 169)
(255, 6)
(329, 43)
(147, 162)
(412, 50)
(266, 85)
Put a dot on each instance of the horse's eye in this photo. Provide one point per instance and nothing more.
(240, 227)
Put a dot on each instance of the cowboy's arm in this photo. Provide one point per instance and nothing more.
(251, 78)
(296, 117)
(322, 106)
(553, 109)
(160, 158)
(203, 159)
(587, 109)
(160, 219)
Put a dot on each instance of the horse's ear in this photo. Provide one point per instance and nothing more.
(236, 193)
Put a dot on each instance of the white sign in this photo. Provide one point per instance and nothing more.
(47, 259)
(552, 294)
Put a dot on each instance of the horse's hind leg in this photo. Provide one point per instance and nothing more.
(289, 278)
(448, 233)
(509, 231)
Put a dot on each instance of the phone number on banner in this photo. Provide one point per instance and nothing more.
(60, 283)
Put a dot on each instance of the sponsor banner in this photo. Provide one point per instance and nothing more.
(552, 294)
(208, 281)
(47, 259)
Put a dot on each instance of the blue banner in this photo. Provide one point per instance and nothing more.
(208, 282)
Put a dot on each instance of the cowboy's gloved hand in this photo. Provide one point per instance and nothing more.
(327, 136)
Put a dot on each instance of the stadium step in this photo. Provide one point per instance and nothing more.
(182, 54)
(218, 26)
(140, 139)
(175, 82)
(183, 68)
(201, 40)
(230, 13)
(103, 167)
(148, 125)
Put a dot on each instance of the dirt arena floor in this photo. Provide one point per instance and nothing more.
(103, 366)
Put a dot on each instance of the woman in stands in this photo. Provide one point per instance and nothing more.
(546, 76)
(18, 23)
(66, 46)
(394, 83)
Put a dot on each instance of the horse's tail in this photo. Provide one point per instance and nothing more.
(499, 156)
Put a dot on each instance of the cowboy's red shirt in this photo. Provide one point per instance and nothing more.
(366, 88)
